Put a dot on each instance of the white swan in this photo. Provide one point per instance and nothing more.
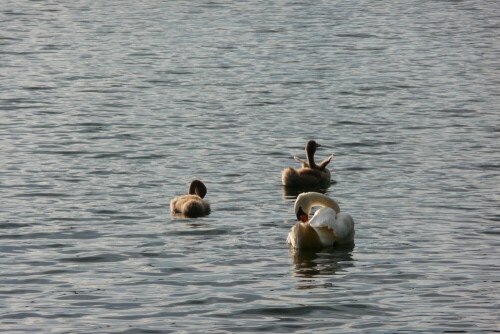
(327, 228)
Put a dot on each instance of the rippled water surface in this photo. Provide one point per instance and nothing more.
(110, 108)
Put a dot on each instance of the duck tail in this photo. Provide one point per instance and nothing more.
(289, 177)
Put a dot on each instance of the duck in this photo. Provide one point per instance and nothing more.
(192, 205)
(310, 174)
(329, 227)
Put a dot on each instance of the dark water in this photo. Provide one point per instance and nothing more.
(110, 108)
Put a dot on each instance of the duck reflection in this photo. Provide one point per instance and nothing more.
(180, 216)
(328, 261)
(188, 221)
(292, 193)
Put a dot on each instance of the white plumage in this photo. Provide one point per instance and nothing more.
(328, 226)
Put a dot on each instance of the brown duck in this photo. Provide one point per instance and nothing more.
(311, 174)
(191, 205)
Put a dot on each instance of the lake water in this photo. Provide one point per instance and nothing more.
(110, 108)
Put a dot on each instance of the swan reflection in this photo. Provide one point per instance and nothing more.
(326, 262)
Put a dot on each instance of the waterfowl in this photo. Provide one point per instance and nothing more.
(191, 205)
(327, 228)
(311, 174)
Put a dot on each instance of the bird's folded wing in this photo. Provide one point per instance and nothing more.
(324, 217)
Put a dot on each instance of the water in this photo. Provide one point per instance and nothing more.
(110, 108)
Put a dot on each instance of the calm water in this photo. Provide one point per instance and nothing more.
(110, 108)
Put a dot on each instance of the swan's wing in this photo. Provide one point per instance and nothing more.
(340, 223)
(325, 162)
(322, 222)
(304, 163)
(324, 217)
(344, 227)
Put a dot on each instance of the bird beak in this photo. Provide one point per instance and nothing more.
(302, 216)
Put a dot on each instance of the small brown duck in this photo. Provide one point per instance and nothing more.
(191, 205)
(310, 175)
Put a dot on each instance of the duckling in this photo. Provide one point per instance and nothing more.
(311, 174)
(191, 205)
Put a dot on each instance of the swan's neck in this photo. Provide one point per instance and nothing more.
(310, 150)
(306, 201)
(316, 199)
(326, 202)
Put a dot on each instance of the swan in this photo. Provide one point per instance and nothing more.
(310, 174)
(327, 228)
(191, 205)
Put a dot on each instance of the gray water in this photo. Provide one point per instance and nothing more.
(110, 108)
